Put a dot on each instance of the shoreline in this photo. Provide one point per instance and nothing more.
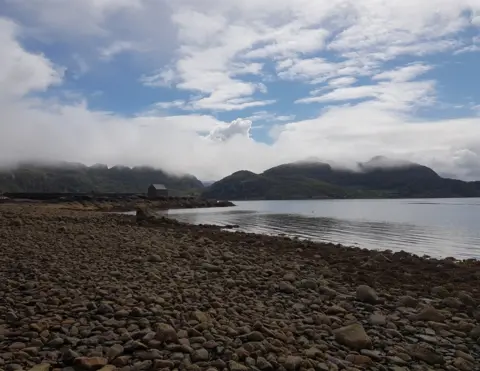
(416, 197)
(117, 203)
(85, 289)
(164, 221)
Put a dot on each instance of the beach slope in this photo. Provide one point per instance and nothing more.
(84, 290)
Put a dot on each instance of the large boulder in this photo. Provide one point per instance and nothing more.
(144, 214)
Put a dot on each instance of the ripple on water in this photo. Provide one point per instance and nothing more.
(422, 230)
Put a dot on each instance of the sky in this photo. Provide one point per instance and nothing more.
(209, 87)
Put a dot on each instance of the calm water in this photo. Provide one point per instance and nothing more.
(436, 227)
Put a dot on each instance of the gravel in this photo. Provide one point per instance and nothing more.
(83, 290)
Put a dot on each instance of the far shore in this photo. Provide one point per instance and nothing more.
(121, 202)
(94, 291)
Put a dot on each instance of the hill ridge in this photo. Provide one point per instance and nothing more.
(379, 177)
(74, 177)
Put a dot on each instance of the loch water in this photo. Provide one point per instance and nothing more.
(434, 227)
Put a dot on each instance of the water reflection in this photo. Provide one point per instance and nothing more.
(420, 238)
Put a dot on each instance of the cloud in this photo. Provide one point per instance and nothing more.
(363, 62)
(117, 47)
(373, 130)
(476, 109)
(363, 36)
(266, 116)
(22, 72)
(289, 41)
(238, 127)
(403, 74)
(472, 47)
(165, 77)
(391, 95)
(61, 19)
(342, 81)
(317, 70)
(174, 104)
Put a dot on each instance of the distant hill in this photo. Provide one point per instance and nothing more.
(71, 177)
(207, 183)
(378, 178)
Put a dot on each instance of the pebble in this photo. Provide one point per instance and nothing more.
(149, 355)
(41, 367)
(17, 346)
(163, 363)
(286, 287)
(465, 356)
(166, 333)
(235, 366)
(292, 363)
(366, 294)
(428, 313)
(106, 293)
(200, 355)
(358, 359)
(378, 319)
(353, 336)
(114, 351)
(56, 342)
(426, 354)
(463, 364)
(255, 336)
(263, 364)
(90, 363)
(13, 367)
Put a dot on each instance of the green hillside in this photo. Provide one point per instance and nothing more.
(378, 178)
(98, 178)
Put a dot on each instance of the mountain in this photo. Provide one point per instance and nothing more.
(207, 183)
(72, 177)
(378, 178)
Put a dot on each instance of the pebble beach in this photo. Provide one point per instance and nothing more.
(85, 290)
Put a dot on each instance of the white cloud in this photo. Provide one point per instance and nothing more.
(115, 48)
(174, 104)
(161, 108)
(365, 35)
(81, 67)
(59, 19)
(218, 55)
(372, 130)
(240, 127)
(472, 47)
(265, 116)
(403, 25)
(394, 95)
(211, 41)
(289, 40)
(403, 74)
(317, 70)
(342, 81)
(165, 77)
(22, 72)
